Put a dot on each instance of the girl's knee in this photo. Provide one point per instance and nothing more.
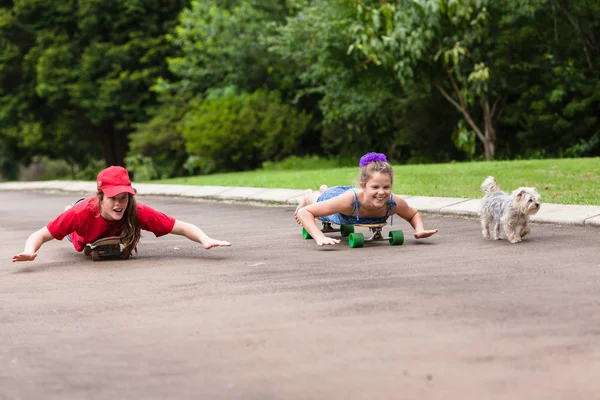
(323, 188)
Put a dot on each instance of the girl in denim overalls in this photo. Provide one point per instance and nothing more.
(371, 203)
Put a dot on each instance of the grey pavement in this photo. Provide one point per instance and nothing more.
(275, 316)
(464, 207)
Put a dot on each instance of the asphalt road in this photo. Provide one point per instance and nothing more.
(277, 317)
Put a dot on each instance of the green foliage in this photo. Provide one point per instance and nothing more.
(142, 167)
(90, 170)
(422, 81)
(312, 162)
(76, 75)
(585, 147)
(554, 80)
(425, 126)
(358, 106)
(160, 140)
(446, 44)
(563, 181)
(239, 132)
(44, 168)
(219, 43)
(464, 138)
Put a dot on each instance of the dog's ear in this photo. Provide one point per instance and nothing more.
(518, 193)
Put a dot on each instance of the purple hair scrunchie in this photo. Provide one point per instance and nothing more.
(371, 157)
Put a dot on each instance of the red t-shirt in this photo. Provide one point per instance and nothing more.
(84, 223)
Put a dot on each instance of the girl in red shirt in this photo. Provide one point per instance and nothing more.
(112, 212)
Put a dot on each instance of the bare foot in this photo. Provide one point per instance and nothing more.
(425, 234)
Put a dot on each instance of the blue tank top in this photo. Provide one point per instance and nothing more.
(343, 219)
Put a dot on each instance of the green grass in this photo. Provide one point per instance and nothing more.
(563, 181)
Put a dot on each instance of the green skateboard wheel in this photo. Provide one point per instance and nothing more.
(396, 238)
(346, 230)
(305, 234)
(356, 240)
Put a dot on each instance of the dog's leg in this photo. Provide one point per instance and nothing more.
(525, 230)
(514, 239)
(496, 230)
(511, 232)
(486, 224)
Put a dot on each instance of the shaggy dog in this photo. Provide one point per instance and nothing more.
(509, 211)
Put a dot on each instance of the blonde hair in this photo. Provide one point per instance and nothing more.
(373, 167)
(130, 231)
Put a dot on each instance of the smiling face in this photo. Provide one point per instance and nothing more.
(377, 189)
(113, 208)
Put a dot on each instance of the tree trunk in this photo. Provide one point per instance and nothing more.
(488, 135)
(114, 145)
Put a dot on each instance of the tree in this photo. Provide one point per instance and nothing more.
(357, 108)
(554, 79)
(444, 43)
(80, 71)
(227, 75)
(219, 46)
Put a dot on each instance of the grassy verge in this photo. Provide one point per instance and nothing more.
(563, 181)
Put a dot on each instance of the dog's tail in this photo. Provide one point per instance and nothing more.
(490, 185)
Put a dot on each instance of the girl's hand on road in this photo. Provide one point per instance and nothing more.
(215, 243)
(327, 241)
(24, 257)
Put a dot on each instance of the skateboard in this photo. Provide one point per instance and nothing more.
(106, 248)
(357, 239)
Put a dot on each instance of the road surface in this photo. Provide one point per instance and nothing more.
(277, 317)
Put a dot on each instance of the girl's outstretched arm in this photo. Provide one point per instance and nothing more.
(306, 215)
(33, 244)
(420, 232)
(413, 217)
(196, 234)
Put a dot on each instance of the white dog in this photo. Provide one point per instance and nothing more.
(511, 211)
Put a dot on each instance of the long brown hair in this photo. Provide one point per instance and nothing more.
(130, 231)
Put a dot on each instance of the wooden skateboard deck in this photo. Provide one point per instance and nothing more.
(381, 225)
(106, 248)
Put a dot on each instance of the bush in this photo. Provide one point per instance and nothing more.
(238, 132)
(90, 171)
(159, 142)
(43, 168)
(142, 167)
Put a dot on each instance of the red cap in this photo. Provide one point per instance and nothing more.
(113, 181)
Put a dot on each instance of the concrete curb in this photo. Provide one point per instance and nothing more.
(549, 213)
